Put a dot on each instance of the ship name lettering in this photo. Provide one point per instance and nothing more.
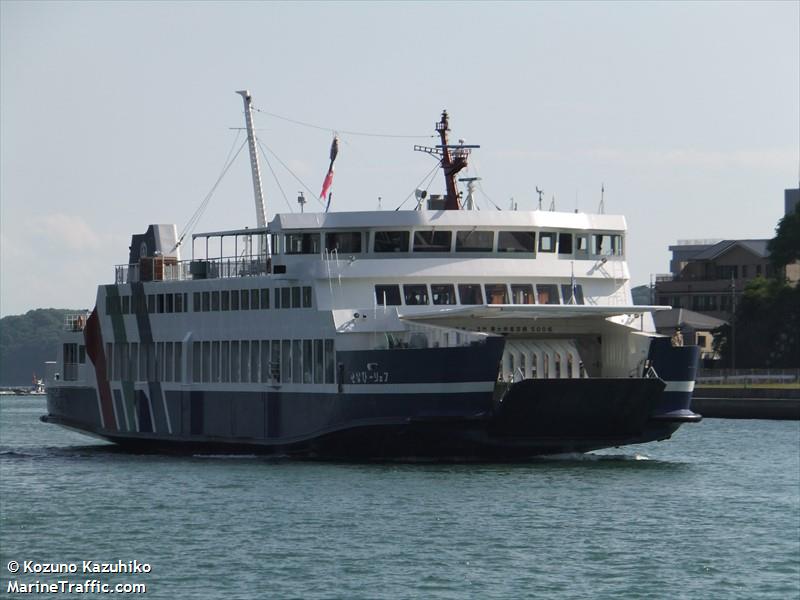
(370, 376)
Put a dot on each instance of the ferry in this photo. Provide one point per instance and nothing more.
(441, 332)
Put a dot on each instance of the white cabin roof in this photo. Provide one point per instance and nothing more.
(448, 218)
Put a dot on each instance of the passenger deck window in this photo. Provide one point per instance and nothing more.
(302, 243)
(415, 295)
(391, 241)
(387, 295)
(522, 293)
(443, 293)
(547, 293)
(572, 294)
(474, 241)
(547, 241)
(496, 293)
(565, 243)
(470, 293)
(516, 241)
(432, 241)
(344, 242)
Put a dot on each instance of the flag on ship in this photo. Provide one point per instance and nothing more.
(326, 184)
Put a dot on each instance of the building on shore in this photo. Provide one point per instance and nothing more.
(709, 276)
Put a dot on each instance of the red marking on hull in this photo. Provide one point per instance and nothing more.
(94, 348)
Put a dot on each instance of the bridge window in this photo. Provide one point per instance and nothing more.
(415, 295)
(344, 242)
(516, 241)
(391, 241)
(496, 293)
(470, 293)
(547, 241)
(581, 245)
(474, 241)
(244, 299)
(307, 297)
(547, 293)
(387, 295)
(606, 244)
(522, 293)
(302, 243)
(432, 241)
(443, 293)
(565, 243)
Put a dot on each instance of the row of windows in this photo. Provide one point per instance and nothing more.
(707, 302)
(285, 297)
(229, 361)
(473, 293)
(152, 303)
(263, 361)
(579, 245)
(253, 299)
(153, 361)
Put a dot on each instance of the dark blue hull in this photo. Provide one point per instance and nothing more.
(422, 403)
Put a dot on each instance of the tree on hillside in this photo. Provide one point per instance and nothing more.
(27, 341)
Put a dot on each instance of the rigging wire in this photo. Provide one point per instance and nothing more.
(195, 218)
(485, 195)
(275, 177)
(341, 131)
(292, 173)
(480, 188)
(430, 174)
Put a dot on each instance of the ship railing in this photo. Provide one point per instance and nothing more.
(211, 268)
(748, 376)
(75, 321)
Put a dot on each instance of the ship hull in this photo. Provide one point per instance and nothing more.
(532, 418)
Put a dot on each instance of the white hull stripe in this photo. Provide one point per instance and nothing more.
(420, 388)
(679, 386)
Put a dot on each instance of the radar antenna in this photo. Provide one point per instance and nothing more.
(540, 192)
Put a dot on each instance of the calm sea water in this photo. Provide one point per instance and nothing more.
(712, 513)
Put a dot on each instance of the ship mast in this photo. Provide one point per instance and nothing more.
(261, 216)
(453, 159)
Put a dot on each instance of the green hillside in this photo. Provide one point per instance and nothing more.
(27, 341)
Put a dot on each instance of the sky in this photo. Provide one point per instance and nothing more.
(115, 115)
